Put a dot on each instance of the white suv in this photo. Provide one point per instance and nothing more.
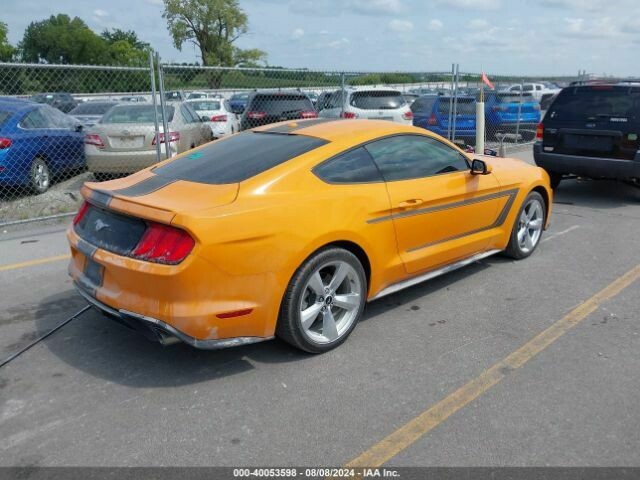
(537, 90)
(370, 103)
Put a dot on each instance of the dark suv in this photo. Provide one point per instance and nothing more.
(591, 130)
(264, 107)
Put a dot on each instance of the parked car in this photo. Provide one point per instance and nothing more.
(60, 100)
(431, 112)
(37, 143)
(133, 99)
(175, 96)
(591, 130)
(511, 113)
(369, 103)
(89, 113)
(264, 107)
(290, 230)
(238, 102)
(124, 140)
(410, 98)
(322, 100)
(313, 96)
(216, 112)
(196, 95)
(536, 90)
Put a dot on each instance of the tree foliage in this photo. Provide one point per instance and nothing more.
(213, 26)
(7, 51)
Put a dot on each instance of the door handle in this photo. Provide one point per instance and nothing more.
(414, 202)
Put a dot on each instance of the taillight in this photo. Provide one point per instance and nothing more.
(81, 212)
(5, 143)
(219, 118)
(173, 137)
(539, 132)
(309, 114)
(256, 115)
(348, 115)
(163, 244)
(432, 120)
(94, 139)
(408, 115)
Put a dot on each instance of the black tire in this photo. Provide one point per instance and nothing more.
(555, 179)
(514, 249)
(39, 176)
(289, 327)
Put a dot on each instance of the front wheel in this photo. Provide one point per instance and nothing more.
(323, 301)
(527, 228)
(40, 176)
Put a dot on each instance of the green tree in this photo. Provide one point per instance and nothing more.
(60, 39)
(213, 26)
(129, 36)
(7, 50)
(125, 48)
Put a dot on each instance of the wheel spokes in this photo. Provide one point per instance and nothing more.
(535, 224)
(348, 301)
(338, 277)
(309, 315)
(315, 283)
(329, 327)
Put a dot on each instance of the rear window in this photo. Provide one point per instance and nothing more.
(4, 116)
(465, 106)
(206, 105)
(423, 104)
(381, 100)
(513, 98)
(135, 114)
(91, 108)
(584, 104)
(277, 103)
(238, 158)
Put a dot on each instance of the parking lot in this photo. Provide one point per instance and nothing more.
(436, 371)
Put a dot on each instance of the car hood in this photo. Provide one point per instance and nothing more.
(153, 197)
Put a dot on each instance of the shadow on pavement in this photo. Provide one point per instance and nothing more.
(600, 194)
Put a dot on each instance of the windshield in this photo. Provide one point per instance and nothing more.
(465, 106)
(277, 104)
(597, 103)
(513, 98)
(135, 114)
(380, 100)
(206, 105)
(91, 108)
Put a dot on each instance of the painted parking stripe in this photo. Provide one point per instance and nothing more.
(31, 263)
(412, 431)
(560, 233)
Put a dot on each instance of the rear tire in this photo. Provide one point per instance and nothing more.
(527, 228)
(323, 302)
(39, 176)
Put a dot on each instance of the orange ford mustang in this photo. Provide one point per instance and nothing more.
(289, 229)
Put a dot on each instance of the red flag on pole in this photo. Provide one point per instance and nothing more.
(486, 81)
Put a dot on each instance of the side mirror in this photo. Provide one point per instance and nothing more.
(78, 128)
(480, 167)
(204, 118)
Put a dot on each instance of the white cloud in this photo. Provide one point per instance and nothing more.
(100, 13)
(158, 3)
(297, 33)
(604, 27)
(435, 25)
(401, 26)
(324, 32)
(376, 6)
(343, 42)
(333, 7)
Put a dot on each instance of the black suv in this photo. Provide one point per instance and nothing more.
(591, 130)
(264, 107)
(60, 100)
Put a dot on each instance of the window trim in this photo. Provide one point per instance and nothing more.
(364, 144)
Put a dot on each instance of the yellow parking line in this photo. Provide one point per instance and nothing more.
(31, 263)
(413, 430)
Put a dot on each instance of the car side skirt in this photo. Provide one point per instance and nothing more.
(396, 287)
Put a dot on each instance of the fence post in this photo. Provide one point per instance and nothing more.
(342, 94)
(455, 103)
(165, 122)
(479, 148)
(154, 99)
(519, 110)
(453, 75)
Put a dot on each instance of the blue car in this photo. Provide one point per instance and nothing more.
(238, 102)
(37, 143)
(502, 110)
(432, 113)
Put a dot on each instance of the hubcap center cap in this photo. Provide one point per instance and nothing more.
(328, 301)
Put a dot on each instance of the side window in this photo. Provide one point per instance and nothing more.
(227, 107)
(355, 166)
(34, 119)
(57, 119)
(528, 88)
(412, 156)
(187, 116)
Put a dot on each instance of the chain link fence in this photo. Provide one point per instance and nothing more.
(62, 125)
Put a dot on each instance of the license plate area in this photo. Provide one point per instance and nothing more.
(127, 142)
(595, 143)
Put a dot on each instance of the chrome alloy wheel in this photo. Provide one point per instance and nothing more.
(41, 176)
(530, 225)
(330, 302)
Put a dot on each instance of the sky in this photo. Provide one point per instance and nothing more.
(535, 37)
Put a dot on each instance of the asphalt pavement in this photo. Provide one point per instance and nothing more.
(96, 394)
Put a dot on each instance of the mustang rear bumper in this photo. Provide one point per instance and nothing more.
(161, 332)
